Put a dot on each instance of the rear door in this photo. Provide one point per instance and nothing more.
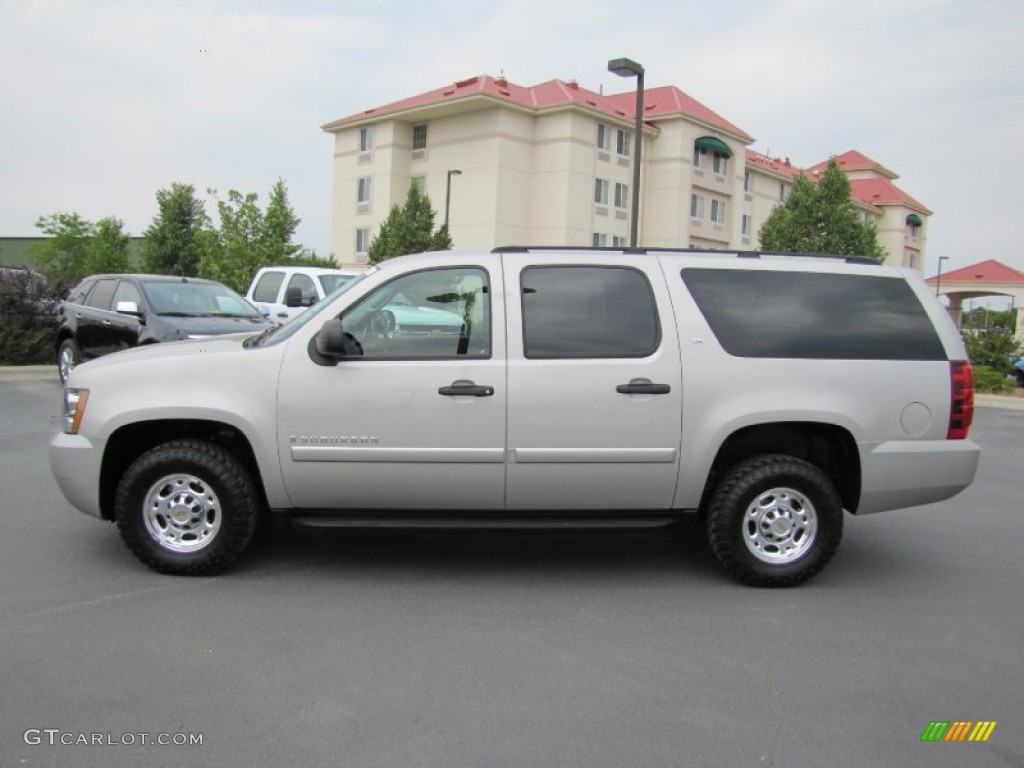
(594, 384)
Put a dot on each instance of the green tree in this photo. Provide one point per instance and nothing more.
(279, 225)
(107, 249)
(249, 238)
(64, 257)
(992, 348)
(409, 229)
(173, 244)
(237, 251)
(821, 219)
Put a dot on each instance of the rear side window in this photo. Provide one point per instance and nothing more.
(588, 312)
(101, 295)
(267, 287)
(817, 316)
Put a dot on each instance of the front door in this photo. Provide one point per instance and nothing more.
(414, 418)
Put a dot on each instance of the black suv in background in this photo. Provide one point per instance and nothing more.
(108, 313)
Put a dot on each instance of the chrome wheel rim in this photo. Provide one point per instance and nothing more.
(66, 363)
(182, 513)
(780, 526)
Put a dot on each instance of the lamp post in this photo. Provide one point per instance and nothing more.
(448, 195)
(629, 68)
(938, 278)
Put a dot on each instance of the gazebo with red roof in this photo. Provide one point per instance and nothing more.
(986, 278)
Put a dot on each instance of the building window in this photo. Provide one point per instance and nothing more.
(600, 240)
(362, 240)
(700, 156)
(419, 183)
(783, 191)
(696, 206)
(910, 259)
(912, 231)
(604, 137)
(747, 181)
(601, 191)
(718, 211)
(745, 225)
(366, 139)
(365, 189)
(720, 163)
(419, 137)
(618, 241)
(866, 217)
(622, 143)
(621, 195)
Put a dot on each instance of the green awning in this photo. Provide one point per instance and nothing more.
(714, 145)
(914, 220)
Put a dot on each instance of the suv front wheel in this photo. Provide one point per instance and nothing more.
(187, 507)
(774, 521)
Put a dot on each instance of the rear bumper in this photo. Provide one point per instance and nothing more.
(75, 464)
(908, 473)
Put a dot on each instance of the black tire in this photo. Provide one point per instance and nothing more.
(68, 356)
(793, 528)
(187, 507)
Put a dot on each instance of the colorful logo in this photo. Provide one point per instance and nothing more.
(959, 730)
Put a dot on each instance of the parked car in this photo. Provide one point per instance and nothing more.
(108, 313)
(1018, 370)
(583, 388)
(280, 293)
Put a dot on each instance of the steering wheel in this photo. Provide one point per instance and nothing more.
(382, 324)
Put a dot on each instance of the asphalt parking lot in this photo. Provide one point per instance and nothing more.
(507, 649)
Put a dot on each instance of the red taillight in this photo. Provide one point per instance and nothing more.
(961, 401)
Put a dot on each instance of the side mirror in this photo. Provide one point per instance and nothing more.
(127, 308)
(293, 296)
(333, 342)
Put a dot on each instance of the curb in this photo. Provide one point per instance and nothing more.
(28, 372)
(999, 401)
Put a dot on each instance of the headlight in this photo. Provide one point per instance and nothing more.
(74, 408)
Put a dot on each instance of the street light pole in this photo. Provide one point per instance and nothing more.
(448, 195)
(938, 278)
(629, 68)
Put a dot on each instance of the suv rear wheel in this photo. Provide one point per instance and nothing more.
(774, 521)
(187, 507)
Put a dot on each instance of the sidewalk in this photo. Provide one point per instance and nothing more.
(26, 372)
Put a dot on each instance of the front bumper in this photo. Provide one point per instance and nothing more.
(908, 473)
(75, 463)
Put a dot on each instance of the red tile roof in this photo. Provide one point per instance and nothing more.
(989, 271)
(854, 161)
(658, 102)
(883, 192)
(784, 167)
(668, 100)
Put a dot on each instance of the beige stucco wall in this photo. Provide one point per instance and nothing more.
(528, 179)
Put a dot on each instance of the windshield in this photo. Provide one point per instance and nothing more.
(282, 332)
(182, 298)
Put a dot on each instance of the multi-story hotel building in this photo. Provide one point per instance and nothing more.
(552, 164)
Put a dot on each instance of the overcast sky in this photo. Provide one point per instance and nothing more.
(104, 102)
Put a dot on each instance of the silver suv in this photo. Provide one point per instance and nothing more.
(541, 388)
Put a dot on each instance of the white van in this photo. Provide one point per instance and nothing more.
(280, 293)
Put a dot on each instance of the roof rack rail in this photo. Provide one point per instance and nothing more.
(645, 250)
